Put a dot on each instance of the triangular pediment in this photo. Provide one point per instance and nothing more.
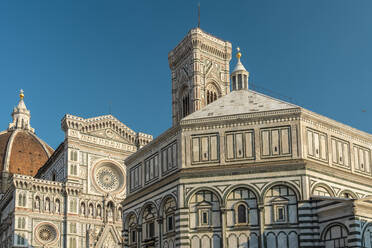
(109, 238)
(109, 127)
(110, 134)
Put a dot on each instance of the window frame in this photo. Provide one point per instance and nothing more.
(284, 207)
(237, 205)
(201, 211)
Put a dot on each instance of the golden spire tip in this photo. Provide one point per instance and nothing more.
(21, 95)
(238, 54)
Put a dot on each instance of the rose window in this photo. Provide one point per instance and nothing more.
(47, 233)
(109, 177)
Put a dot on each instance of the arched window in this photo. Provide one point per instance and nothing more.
(73, 205)
(169, 208)
(22, 199)
(242, 214)
(148, 219)
(21, 222)
(132, 224)
(211, 93)
(335, 236)
(185, 105)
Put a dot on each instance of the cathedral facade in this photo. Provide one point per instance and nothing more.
(70, 197)
(236, 169)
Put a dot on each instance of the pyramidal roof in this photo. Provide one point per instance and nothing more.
(240, 102)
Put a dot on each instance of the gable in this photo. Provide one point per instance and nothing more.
(109, 238)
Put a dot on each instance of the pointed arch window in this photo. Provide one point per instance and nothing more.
(22, 199)
(185, 105)
(211, 93)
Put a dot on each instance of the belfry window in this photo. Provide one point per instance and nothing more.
(211, 96)
(185, 105)
(211, 93)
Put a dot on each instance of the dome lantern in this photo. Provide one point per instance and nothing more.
(21, 116)
(239, 76)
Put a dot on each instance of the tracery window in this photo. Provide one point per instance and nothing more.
(73, 205)
(73, 227)
(212, 93)
(211, 96)
(72, 242)
(74, 156)
(20, 239)
(21, 222)
(22, 199)
(73, 169)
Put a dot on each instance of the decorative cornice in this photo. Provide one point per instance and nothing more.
(335, 126)
(249, 118)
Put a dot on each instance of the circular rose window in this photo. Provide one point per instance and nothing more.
(108, 177)
(46, 233)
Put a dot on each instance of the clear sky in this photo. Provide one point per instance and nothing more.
(81, 57)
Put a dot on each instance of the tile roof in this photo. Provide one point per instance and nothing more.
(240, 102)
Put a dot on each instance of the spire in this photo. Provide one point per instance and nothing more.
(239, 76)
(21, 116)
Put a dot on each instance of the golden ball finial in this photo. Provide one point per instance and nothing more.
(21, 95)
(238, 54)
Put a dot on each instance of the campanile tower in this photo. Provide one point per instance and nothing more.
(200, 72)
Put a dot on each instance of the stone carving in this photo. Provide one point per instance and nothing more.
(46, 233)
(108, 177)
(109, 242)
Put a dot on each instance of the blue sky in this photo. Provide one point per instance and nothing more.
(81, 57)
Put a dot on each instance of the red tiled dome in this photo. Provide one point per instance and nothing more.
(22, 152)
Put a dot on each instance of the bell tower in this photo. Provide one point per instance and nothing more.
(200, 72)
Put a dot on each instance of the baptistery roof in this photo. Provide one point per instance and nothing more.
(21, 151)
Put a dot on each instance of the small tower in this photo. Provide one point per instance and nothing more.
(239, 76)
(21, 116)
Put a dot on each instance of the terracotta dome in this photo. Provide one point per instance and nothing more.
(21, 151)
